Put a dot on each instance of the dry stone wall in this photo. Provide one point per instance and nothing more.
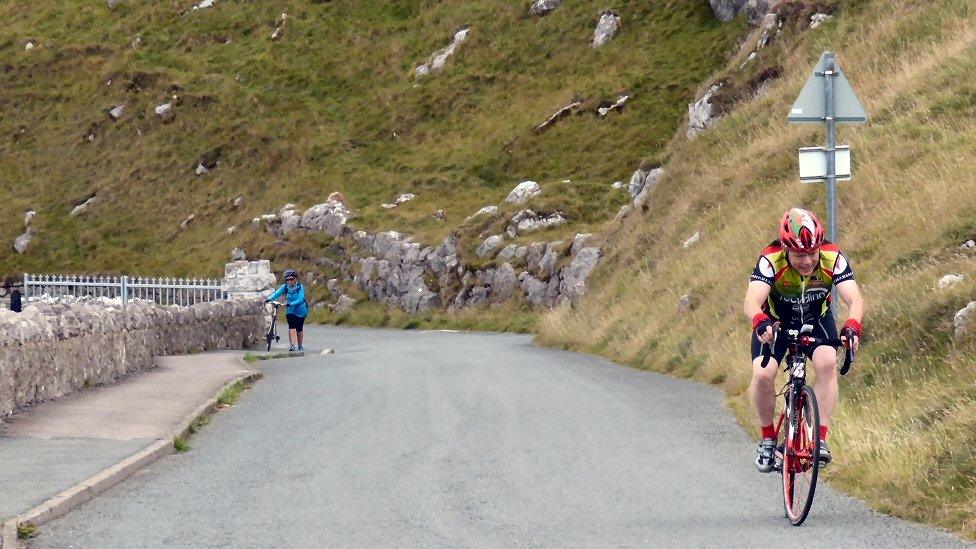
(52, 349)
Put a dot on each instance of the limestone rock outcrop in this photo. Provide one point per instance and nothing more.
(543, 7)
(606, 28)
(701, 113)
(523, 191)
(437, 61)
(642, 182)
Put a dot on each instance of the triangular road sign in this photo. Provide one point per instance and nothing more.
(810, 105)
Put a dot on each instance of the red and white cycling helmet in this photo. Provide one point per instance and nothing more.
(800, 231)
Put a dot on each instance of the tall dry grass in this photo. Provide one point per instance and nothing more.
(905, 431)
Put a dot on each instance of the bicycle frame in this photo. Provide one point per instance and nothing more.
(795, 362)
(798, 459)
(272, 334)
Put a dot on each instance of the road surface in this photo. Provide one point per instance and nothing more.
(435, 439)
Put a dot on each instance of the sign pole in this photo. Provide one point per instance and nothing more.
(831, 151)
(831, 147)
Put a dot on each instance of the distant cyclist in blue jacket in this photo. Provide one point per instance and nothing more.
(296, 309)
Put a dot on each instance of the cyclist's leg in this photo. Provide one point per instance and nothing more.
(825, 384)
(292, 331)
(824, 361)
(762, 390)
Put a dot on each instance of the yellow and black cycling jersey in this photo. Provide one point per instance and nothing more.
(794, 298)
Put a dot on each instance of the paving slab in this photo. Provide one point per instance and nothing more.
(55, 445)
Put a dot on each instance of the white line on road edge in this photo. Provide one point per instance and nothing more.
(86, 490)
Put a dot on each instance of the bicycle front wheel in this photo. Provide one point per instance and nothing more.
(801, 455)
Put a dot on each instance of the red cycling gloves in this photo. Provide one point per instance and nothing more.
(760, 322)
(853, 326)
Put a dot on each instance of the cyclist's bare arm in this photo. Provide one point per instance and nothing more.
(756, 296)
(851, 295)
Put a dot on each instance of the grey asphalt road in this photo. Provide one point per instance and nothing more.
(466, 440)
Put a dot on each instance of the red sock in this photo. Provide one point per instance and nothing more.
(768, 431)
(823, 432)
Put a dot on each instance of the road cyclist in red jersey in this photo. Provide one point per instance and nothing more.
(790, 286)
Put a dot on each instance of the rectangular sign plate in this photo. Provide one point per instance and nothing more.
(813, 164)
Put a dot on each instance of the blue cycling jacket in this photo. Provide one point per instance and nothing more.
(295, 297)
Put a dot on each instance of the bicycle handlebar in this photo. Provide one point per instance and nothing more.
(808, 341)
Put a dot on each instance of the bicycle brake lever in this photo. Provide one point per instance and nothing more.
(848, 359)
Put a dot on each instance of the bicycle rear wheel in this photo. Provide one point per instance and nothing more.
(801, 455)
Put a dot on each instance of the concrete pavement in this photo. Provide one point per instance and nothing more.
(60, 445)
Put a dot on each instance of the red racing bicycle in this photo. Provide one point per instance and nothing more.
(798, 428)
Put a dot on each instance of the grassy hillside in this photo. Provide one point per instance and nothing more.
(905, 432)
(330, 106)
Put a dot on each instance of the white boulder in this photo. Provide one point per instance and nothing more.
(164, 111)
(116, 112)
(818, 19)
(489, 245)
(483, 211)
(329, 217)
(701, 113)
(543, 7)
(606, 28)
(523, 191)
(80, 208)
(950, 280)
(961, 320)
(579, 242)
(642, 183)
(617, 105)
(437, 61)
(405, 197)
(22, 241)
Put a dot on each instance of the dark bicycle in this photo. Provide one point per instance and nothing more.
(798, 451)
(272, 334)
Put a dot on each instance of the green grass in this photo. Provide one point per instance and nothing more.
(181, 445)
(229, 396)
(27, 530)
(316, 112)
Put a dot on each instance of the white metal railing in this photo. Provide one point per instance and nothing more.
(164, 291)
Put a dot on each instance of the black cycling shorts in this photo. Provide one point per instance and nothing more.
(295, 322)
(825, 328)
